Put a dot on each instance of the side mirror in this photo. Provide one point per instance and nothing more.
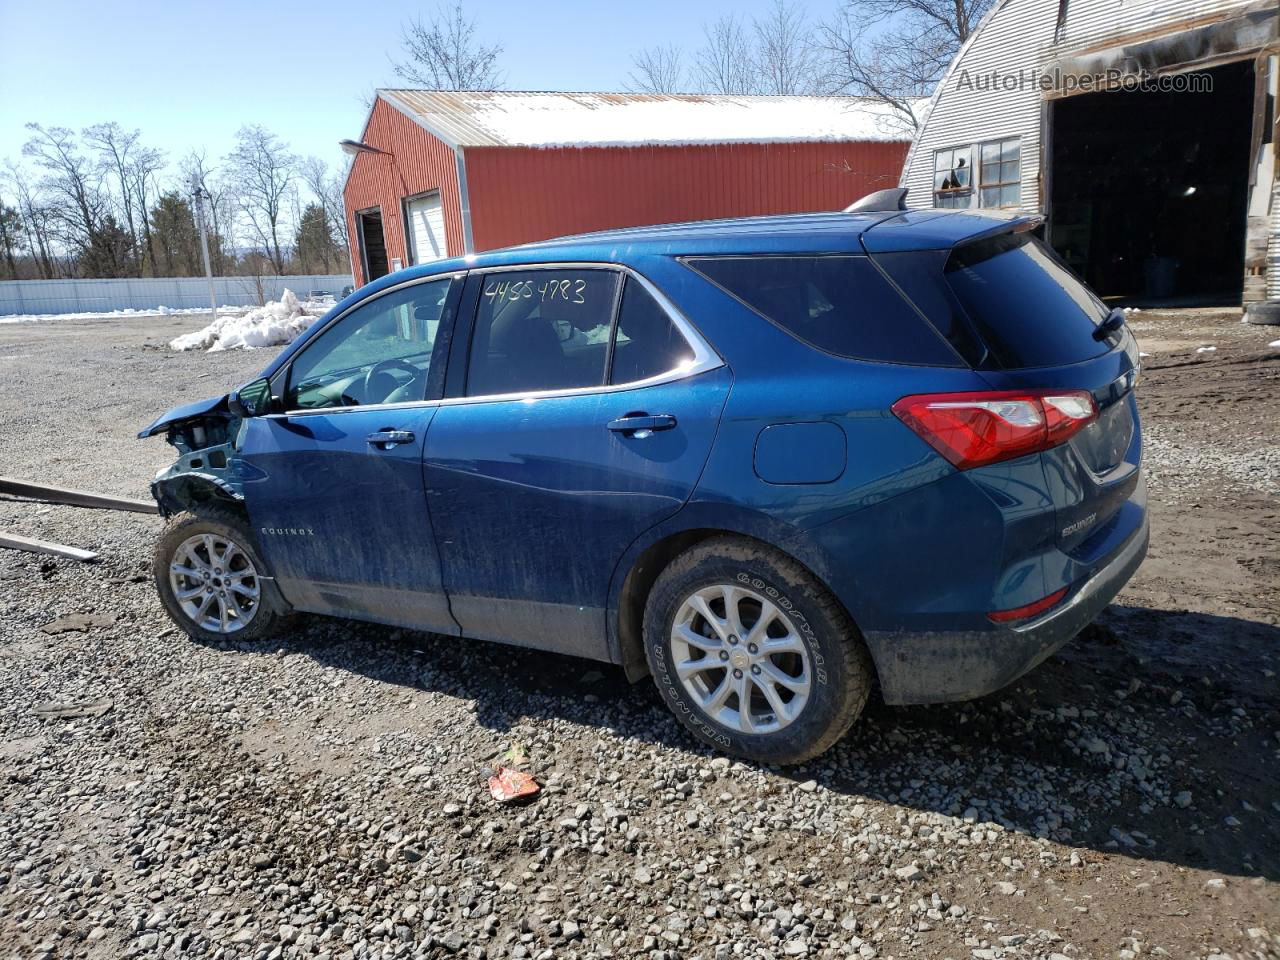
(253, 399)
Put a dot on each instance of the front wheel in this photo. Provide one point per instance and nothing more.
(210, 578)
(753, 654)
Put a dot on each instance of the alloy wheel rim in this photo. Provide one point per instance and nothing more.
(215, 583)
(740, 658)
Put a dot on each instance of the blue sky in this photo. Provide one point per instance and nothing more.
(190, 74)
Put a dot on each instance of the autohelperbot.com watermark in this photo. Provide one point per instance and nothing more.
(1060, 81)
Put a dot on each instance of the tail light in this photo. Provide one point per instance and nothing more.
(976, 429)
(1029, 611)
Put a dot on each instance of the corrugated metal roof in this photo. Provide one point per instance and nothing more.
(475, 118)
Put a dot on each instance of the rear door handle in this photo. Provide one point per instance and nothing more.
(386, 439)
(641, 425)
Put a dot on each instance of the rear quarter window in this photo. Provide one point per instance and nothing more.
(840, 304)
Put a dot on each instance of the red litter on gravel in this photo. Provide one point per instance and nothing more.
(510, 785)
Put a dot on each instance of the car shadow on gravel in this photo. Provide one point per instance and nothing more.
(1154, 735)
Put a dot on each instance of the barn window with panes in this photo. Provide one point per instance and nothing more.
(1000, 172)
(953, 177)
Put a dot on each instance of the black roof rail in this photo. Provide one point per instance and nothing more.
(892, 198)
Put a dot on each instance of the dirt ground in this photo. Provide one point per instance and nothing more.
(322, 795)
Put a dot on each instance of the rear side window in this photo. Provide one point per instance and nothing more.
(647, 342)
(1027, 308)
(839, 304)
(541, 330)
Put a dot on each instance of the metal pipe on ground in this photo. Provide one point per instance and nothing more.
(76, 498)
(13, 541)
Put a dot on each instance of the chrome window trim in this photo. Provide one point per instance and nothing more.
(705, 358)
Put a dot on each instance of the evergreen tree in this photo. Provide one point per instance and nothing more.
(109, 251)
(10, 240)
(174, 238)
(314, 244)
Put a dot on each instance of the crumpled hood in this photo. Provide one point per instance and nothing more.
(186, 412)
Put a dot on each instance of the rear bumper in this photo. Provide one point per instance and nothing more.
(943, 667)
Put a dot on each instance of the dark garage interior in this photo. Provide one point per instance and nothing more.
(1149, 190)
(373, 246)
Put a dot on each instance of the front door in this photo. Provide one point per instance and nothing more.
(575, 434)
(338, 505)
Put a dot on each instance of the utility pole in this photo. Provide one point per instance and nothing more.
(200, 195)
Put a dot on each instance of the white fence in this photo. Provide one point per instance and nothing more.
(147, 293)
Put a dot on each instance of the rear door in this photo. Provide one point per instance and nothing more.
(571, 433)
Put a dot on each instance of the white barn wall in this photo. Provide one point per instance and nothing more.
(1018, 34)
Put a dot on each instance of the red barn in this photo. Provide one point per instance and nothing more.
(440, 174)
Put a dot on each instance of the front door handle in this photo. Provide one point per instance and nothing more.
(641, 425)
(386, 439)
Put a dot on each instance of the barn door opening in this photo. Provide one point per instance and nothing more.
(373, 244)
(1149, 189)
(424, 227)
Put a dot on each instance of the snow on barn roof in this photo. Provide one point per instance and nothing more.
(485, 118)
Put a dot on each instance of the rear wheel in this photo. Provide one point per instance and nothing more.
(209, 577)
(753, 654)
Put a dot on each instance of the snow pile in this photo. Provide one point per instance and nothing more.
(277, 322)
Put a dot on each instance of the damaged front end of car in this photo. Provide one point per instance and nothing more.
(207, 437)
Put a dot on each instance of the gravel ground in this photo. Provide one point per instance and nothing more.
(323, 795)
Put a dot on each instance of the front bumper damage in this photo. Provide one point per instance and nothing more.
(206, 435)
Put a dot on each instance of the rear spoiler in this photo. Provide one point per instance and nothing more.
(940, 229)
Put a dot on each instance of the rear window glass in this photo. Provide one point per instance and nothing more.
(1028, 308)
(839, 304)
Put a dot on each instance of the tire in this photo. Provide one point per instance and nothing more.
(839, 669)
(1264, 312)
(262, 609)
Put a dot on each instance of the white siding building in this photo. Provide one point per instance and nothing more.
(1144, 131)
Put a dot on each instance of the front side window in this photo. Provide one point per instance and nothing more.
(839, 304)
(647, 343)
(381, 352)
(541, 330)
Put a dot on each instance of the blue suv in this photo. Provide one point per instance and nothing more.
(769, 462)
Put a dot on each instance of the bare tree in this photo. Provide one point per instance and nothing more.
(658, 70)
(196, 171)
(35, 221)
(786, 57)
(76, 202)
(726, 63)
(147, 162)
(263, 168)
(774, 54)
(444, 54)
(896, 51)
(327, 189)
(115, 147)
(131, 167)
